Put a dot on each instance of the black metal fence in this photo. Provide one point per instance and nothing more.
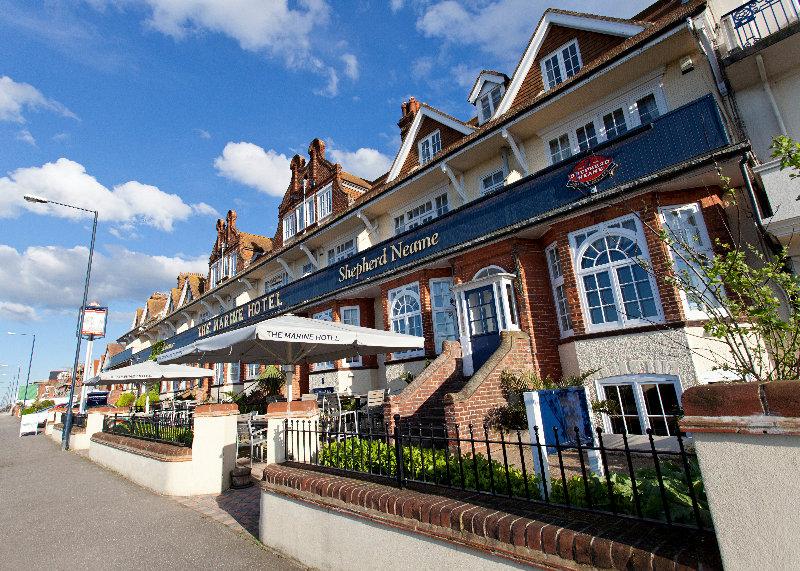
(169, 429)
(643, 477)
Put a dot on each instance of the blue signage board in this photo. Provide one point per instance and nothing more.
(685, 133)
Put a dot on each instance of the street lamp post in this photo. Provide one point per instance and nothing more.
(68, 419)
(30, 362)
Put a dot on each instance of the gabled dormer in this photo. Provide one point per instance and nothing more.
(487, 93)
(318, 191)
(563, 43)
(425, 132)
(233, 250)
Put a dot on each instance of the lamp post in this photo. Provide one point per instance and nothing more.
(30, 362)
(68, 420)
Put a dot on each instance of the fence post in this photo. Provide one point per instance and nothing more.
(398, 451)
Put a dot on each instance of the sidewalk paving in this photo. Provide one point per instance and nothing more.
(59, 510)
(238, 509)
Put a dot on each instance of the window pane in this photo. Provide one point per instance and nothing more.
(496, 94)
(560, 149)
(553, 72)
(614, 124)
(571, 62)
(587, 137)
(647, 108)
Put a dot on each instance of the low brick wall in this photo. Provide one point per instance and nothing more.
(510, 531)
(423, 398)
(482, 393)
(155, 450)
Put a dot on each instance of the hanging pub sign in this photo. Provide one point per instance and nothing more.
(94, 321)
(591, 170)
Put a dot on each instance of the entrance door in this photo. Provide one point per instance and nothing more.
(483, 328)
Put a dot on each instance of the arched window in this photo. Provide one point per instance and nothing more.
(616, 288)
(488, 271)
(405, 312)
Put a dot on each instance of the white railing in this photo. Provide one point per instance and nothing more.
(757, 19)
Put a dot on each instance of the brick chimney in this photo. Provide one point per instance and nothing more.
(409, 109)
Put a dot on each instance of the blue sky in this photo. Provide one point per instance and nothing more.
(163, 114)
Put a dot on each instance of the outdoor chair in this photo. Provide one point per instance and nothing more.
(258, 437)
(333, 418)
(373, 410)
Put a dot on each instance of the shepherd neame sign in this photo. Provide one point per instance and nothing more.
(389, 253)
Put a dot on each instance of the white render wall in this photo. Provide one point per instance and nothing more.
(324, 539)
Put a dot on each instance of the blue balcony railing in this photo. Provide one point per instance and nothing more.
(755, 20)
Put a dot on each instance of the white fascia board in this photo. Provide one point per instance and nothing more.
(568, 21)
(483, 78)
(411, 136)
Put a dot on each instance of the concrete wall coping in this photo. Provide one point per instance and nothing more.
(299, 409)
(154, 450)
(533, 534)
(216, 409)
(743, 408)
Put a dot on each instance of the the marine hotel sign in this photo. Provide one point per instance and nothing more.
(390, 253)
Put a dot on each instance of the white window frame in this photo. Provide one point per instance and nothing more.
(219, 374)
(636, 381)
(703, 247)
(308, 268)
(626, 101)
(497, 186)
(289, 225)
(345, 253)
(234, 373)
(412, 288)
(351, 361)
(432, 140)
(488, 97)
(324, 200)
(310, 210)
(437, 338)
(233, 259)
(252, 371)
(576, 251)
(558, 53)
(325, 315)
(563, 315)
(403, 220)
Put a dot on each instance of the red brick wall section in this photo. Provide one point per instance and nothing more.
(428, 126)
(422, 398)
(482, 392)
(367, 313)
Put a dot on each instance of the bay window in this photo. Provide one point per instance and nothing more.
(405, 314)
(429, 146)
(689, 251)
(559, 294)
(616, 289)
(641, 402)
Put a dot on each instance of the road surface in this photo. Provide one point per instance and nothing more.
(59, 510)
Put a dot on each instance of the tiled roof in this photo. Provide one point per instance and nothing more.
(114, 348)
(357, 180)
(255, 241)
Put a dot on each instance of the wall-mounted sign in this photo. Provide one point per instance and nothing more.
(94, 321)
(591, 170)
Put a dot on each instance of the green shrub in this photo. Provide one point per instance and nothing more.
(36, 406)
(125, 399)
(154, 397)
(447, 467)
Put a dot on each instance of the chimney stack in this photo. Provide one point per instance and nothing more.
(409, 109)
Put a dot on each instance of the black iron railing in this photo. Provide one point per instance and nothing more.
(644, 477)
(78, 420)
(169, 429)
(757, 19)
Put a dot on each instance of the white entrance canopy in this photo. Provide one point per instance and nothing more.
(291, 340)
(148, 371)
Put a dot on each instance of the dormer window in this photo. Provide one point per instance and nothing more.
(561, 64)
(488, 103)
(429, 146)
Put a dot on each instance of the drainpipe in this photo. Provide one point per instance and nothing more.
(762, 72)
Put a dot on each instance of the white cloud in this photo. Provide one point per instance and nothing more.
(17, 312)
(350, 66)
(464, 75)
(67, 181)
(332, 87)
(396, 5)
(51, 277)
(364, 162)
(422, 67)
(16, 97)
(26, 137)
(503, 27)
(203, 134)
(251, 165)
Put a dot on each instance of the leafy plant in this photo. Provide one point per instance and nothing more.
(271, 380)
(152, 393)
(788, 151)
(125, 399)
(606, 406)
(37, 405)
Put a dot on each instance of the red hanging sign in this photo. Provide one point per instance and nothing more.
(590, 171)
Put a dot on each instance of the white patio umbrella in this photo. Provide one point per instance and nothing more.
(148, 371)
(291, 340)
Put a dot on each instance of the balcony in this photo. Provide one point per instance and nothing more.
(757, 20)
